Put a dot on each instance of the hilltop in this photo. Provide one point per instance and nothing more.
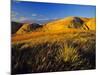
(71, 23)
(25, 28)
(64, 24)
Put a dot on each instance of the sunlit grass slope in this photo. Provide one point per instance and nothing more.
(62, 45)
(54, 52)
(71, 22)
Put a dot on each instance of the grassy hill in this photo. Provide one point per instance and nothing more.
(15, 27)
(61, 45)
(28, 28)
(92, 24)
(70, 23)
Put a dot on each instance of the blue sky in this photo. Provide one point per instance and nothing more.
(47, 11)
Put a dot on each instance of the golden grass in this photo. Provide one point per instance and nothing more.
(53, 51)
(55, 47)
(68, 53)
(19, 37)
(69, 22)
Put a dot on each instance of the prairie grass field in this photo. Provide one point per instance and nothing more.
(53, 51)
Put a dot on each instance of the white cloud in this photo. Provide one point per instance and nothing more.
(22, 18)
(43, 19)
(19, 19)
(15, 0)
(34, 15)
(15, 16)
(39, 17)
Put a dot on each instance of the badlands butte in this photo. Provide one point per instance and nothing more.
(59, 45)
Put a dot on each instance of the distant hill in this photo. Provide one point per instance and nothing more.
(28, 28)
(15, 26)
(70, 23)
(56, 25)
